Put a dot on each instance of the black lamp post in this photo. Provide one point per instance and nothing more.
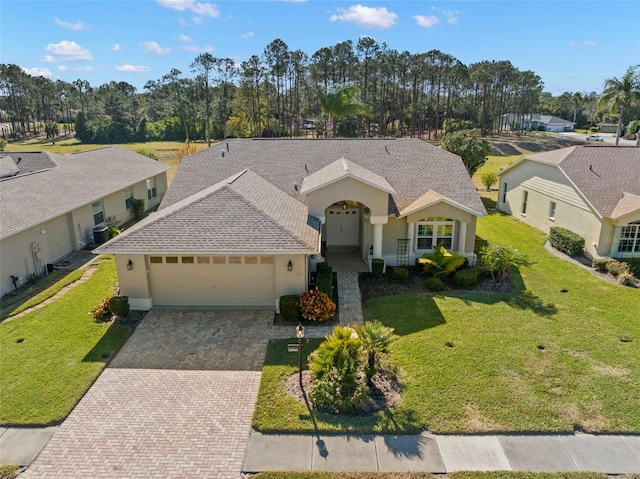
(300, 336)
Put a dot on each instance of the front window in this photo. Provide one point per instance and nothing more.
(552, 210)
(128, 199)
(434, 231)
(98, 213)
(630, 238)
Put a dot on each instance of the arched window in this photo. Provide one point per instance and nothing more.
(434, 231)
(630, 238)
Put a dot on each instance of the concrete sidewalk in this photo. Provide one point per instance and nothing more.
(19, 446)
(610, 454)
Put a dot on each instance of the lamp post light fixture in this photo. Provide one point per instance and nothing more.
(290, 267)
(300, 336)
(129, 265)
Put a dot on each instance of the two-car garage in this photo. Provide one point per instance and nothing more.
(212, 280)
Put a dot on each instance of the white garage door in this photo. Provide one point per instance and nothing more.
(58, 238)
(212, 280)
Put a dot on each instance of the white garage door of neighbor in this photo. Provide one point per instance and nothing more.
(212, 280)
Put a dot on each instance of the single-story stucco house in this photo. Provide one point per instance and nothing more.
(535, 121)
(593, 191)
(244, 220)
(50, 204)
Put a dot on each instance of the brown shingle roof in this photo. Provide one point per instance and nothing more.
(410, 166)
(603, 174)
(339, 170)
(243, 213)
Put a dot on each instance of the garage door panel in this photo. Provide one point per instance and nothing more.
(212, 284)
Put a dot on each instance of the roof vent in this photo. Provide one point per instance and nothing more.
(227, 146)
(222, 153)
(19, 160)
(295, 186)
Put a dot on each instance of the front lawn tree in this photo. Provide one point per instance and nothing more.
(620, 94)
(500, 259)
(468, 145)
(488, 180)
(375, 339)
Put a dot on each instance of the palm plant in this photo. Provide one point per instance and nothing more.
(340, 103)
(440, 262)
(375, 339)
(620, 94)
(499, 260)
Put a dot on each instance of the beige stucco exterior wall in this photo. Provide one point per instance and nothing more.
(546, 183)
(134, 283)
(348, 189)
(291, 282)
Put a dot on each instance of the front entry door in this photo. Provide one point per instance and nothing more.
(343, 227)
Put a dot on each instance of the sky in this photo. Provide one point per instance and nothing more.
(572, 45)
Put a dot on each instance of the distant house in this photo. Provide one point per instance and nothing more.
(607, 127)
(535, 121)
(50, 204)
(593, 191)
(243, 221)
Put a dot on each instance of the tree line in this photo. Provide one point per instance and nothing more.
(284, 92)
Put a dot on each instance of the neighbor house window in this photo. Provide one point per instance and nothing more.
(552, 210)
(630, 238)
(128, 199)
(98, 212)
(525, 198)
(434, 231)
(151, 189)
(504, 193)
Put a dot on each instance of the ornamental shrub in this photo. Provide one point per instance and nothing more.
(467, 278)
(377, 267)
(290, 307)
(434, 284)
(324, 282)
(317, 306)
(625, 279)
(600, 263)
(617, 268)
(102, 311)
(323, 267)
(138, 208)
(400, 274)
(566, 241)
(119, 305)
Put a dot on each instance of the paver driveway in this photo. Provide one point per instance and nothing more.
(176, 401)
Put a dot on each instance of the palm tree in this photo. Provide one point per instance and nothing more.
(375, 339)
(499, 260)
(440, 262)
(620, 94)
(340, 103)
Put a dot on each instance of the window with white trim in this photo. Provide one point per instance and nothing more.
(630, 238)
(434, 231)
(525, 198)
(151, 189)
(98, 212)
(504, 193)
(128, 198)
(552, 210)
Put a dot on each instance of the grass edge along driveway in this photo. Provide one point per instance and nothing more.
(50, 357)
(536, 360)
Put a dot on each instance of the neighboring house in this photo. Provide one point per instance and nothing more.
(593, 191)
(607, 127)
(50, 204)
(242, 220)
(535, 121)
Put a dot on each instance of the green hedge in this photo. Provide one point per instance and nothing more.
(566, 241)
(377, 266)
(324, 279)
(290, 307)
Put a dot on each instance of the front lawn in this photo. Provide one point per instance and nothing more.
(51, 356)
(537, 359)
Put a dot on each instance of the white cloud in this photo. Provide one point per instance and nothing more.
(69, 51)
(38, 72)
(153, 47)
(48, 59)
(452, 16)
(116, 47)
(196, 48)
(133, 68)
(426, 21)
(247, 35)
(183, 38)
(182, 22)
(588, 43)
(197, 20)
(65, 68)
(199, 8)
(76, 26)
(367, 17)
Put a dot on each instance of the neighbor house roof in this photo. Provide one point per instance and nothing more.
(70, 182)
(406, 167)
(22, 163)
(244, 213)
(548, 119)
(607, 176)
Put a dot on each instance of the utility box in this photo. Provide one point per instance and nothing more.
(100, 234)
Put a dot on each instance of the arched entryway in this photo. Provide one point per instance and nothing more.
(343, 236)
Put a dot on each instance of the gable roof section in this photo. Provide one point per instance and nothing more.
(22, 163)
(431, 198)
(604, 175)
(241, 214)
(78, 179)
(341, 169)
(626, 205)
(410, 167)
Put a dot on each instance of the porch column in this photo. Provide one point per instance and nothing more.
(411, 231)
(462, 237)
(378, 222)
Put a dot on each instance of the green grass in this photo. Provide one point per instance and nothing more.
(27, 300)
(533, 360)
(8, 472)
(51, 356)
